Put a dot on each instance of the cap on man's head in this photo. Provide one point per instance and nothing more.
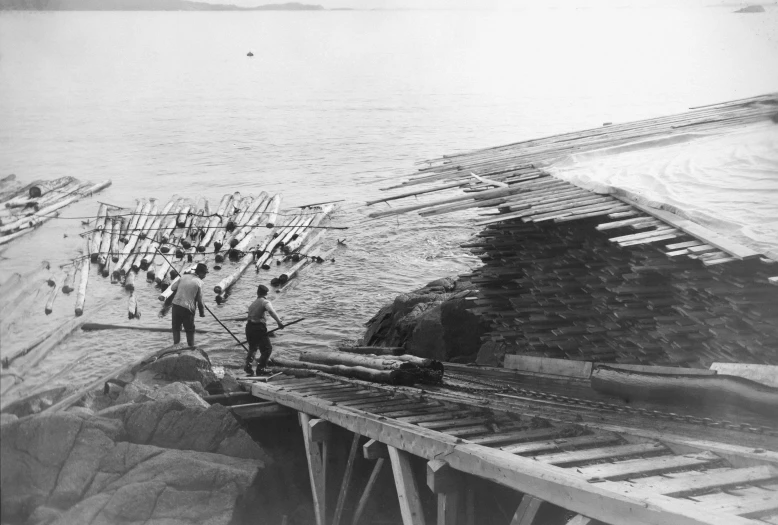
(201, 268)
(262, 289)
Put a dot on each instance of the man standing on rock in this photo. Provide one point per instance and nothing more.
(188, 294)
(256, 331)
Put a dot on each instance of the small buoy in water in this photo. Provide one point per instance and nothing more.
(249, 54)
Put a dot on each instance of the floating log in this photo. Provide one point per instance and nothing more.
(133, 310)
(233, 222)
(81, 296)
(185, 241)
(148, 256)
(132, 239)
(97, 237)
(391, 377)
(225, 284)
(183, 215)
(23, 285)
(271, 243)
(130, 226)
(291, 272)
(373, 350)
(129, 280)
(272, 211)
(169, 222)
(70, 278)
(162, 270)
(93, 327)
(50, 302)
(113, 246)
(214, 222)
(249, 220)
(302, 238)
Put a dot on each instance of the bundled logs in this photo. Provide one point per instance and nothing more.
(24, 208)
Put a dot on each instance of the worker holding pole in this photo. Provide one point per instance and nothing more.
(256, 331)
(189, 295)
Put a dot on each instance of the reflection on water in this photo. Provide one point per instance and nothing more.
(331, 106)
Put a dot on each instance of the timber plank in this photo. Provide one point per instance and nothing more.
(451, 423)
(436, 416)
(467, 431)
(593, 454)
(684, 485)
(419, 411)
(517, 436)
(391, 402)
(644, 467)
(407, 488)
(394, 407)
(749, 503)
(562, 443)
(362, 400)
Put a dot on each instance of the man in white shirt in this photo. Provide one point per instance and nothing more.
(188, 295)
(256, 331)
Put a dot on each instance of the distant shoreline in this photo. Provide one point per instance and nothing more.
(145, 5)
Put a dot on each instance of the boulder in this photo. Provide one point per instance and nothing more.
(75, 468)
(182, 364)
(430, 322)
(38, 402)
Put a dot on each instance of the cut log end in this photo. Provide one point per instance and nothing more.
(219, 257)
(79, 312)
(220, 299)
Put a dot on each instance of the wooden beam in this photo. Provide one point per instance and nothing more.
(442, 478)
(316, 470)
(407, 489)
(527, 511)
(374, 450)
(368, 491)
(346, 480)
(260, 410)
(320, 430)
(558, 486)
(448, 508)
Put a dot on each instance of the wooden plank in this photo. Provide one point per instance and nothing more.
(649, 240)
(448, 508)
(444, 413)
(575, 457)
(400, 404)
(655, 369)
(453, 423)
(321, 430)
(642, 235)
(441, 478)
(599, 213)
(547, 365)
(580, 520)
(360, 510)
(407, 490)
(418, 411)
(765, 374)
(352, 456)
(620, 224)
(681, 245)
(364, 400)
(645, 467)
(682, 486)
(558, 486)
(467, 431)
(517, 436)
(316, 471)
(562, 443)
(527, 511)
(753, 504)
(260, 410)
(695, 230)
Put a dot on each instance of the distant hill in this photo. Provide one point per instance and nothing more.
(142, 5)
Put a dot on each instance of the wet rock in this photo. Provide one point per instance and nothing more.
(74, 468)
(7, 418)
(38, 402)
(493, 353)
(178, 365)
(431, 322)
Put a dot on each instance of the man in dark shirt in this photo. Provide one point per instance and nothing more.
(188, 295)
(256, 330)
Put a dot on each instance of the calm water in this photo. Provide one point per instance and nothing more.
(331, 105)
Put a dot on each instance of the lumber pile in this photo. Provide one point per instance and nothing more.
(25, 207)
(393, 370)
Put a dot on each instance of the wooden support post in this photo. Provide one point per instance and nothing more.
(447, 484)
(352, 456)
(580, 519)
(317, 458)
(527, 511)
(470, 502)
(368, 491)
(374, 450)
(407, 490)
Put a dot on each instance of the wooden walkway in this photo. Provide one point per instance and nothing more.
(615, 477)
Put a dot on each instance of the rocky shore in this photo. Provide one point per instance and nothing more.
(149, 449)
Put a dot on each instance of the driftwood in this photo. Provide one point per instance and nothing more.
(392, 377)
(373, 350)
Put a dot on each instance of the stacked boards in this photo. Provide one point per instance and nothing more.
(25, 207)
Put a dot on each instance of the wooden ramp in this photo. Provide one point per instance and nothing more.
(611, 477)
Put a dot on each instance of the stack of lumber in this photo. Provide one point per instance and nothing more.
(570, 273)
(567, 291)
(25, 207)
(390, 369)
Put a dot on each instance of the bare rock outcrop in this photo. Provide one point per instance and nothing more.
(141, 450)
(430, 322)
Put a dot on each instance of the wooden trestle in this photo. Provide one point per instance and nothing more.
(597, 474)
